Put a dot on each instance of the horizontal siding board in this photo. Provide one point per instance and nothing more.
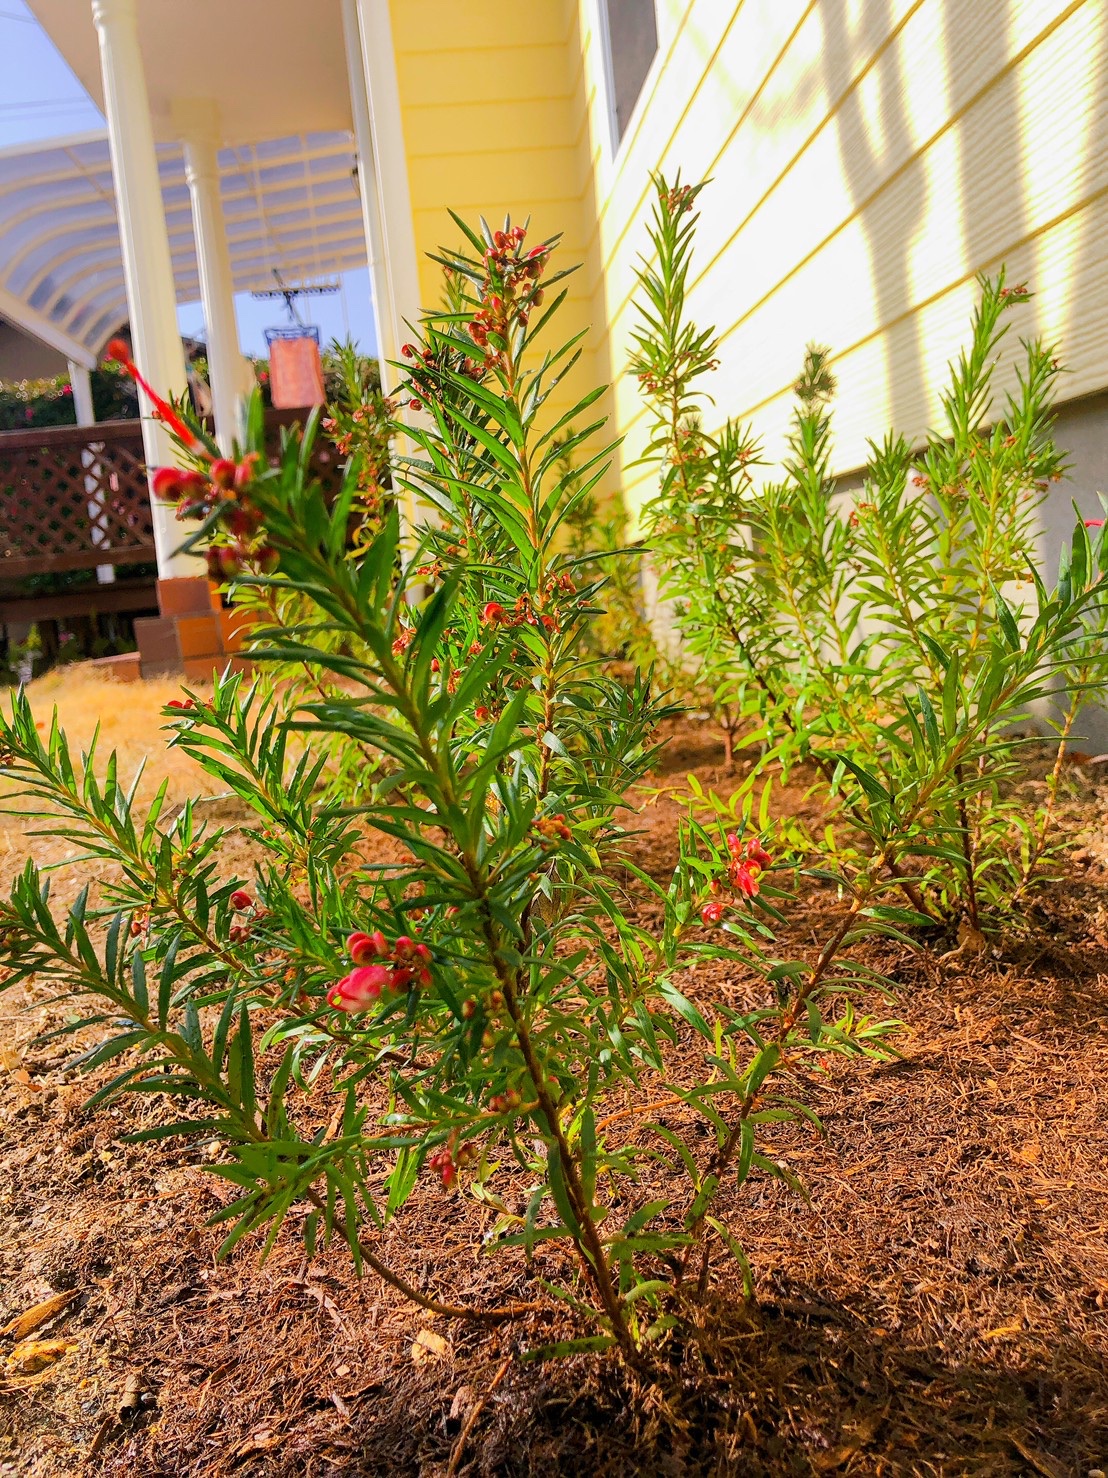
(860, 179)
(508, 74)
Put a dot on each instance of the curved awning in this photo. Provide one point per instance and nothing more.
(291, 207)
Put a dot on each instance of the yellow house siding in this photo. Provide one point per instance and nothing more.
(493, 125)
(867, 160)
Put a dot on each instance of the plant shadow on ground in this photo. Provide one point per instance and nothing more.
(936, 1308)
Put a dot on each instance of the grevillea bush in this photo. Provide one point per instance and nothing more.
(455, 961)
(899, 641)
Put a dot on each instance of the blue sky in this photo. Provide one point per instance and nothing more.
(40, 98)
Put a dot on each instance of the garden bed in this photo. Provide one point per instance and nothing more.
(937, 1306)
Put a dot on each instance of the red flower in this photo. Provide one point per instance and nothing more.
(223, 473)
(172, 485)
(481, 715)
(181, 703)
(358, 990)
(757, 854)
(494, 614)
(744, 877)
(364, 948)
(118, 350)
(713, 912)
(406, 949)
(1094, 523)
(241, 899)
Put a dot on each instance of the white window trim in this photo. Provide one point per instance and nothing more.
(616, 147)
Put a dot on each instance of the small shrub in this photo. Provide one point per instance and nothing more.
(480, 997)
(900, 642)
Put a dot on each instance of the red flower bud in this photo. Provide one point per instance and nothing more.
(712, 912)
(481, 715)
(181, 703)
(223, 563)
(167, 483)
(223, 473)
(241, 899)
(244, 472)
(364, 948)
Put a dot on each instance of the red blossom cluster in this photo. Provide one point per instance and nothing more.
(494, 614)
(680, 199)
(504, 1103)
(408, 963)
(220, 488)
(445, 1161)
(749, 860)
(509, 292)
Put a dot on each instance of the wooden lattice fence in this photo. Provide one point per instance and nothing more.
(72, 498)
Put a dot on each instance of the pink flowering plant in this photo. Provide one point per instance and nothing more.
(456, 959)
(898, 642)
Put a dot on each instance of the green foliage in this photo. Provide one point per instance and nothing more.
(26, 405)
(900, 642)
(456, 956)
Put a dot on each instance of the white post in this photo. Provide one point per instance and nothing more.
(384, 316)
(393, 198)
(213, 258)
(81, 382)
(147, 267)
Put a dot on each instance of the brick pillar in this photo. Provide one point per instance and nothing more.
(193, 636)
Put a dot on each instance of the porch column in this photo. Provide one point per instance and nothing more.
(213, 257)
(384, 317)
(81, 382)
(147, 268)
(390, 164)
(389, 187)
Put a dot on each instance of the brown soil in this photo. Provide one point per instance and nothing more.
(938, 1306)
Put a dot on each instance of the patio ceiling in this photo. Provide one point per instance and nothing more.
(276, 67)
(291, 206)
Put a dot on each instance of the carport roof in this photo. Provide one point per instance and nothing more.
(291, 206)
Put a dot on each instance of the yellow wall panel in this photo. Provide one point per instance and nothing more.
(494, 119)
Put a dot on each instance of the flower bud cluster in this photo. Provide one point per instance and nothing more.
(554, 828)
(423, 384)
(447, 1160)
(380, 966)
(219, 486)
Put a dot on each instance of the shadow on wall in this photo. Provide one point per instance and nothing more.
(890, 233)
(992, 165)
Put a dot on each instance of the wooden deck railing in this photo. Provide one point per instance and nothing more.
(74, 497)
